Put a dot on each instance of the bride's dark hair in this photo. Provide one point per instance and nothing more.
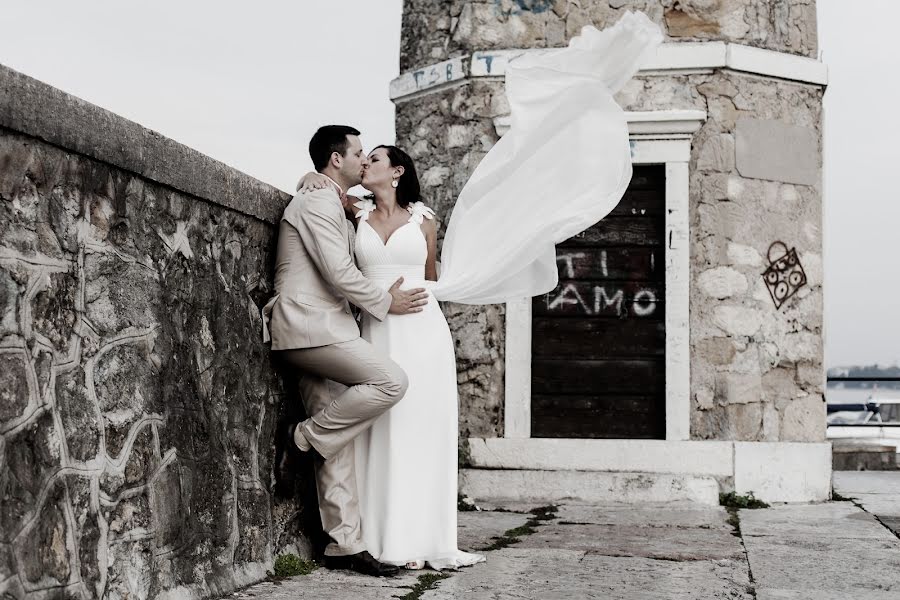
(408, 190)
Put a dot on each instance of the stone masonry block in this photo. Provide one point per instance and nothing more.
(778, 151)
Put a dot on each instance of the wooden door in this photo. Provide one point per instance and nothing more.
(598, 339)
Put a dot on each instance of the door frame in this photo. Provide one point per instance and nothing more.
(657, 137)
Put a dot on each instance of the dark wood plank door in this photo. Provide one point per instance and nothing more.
(598, 340)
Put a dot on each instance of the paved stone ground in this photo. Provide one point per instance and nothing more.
(829, 551)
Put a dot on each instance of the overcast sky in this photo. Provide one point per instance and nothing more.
(248, 83)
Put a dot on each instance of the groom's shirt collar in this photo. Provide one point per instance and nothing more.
(339, 188)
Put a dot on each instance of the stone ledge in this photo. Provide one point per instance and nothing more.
(33, 108)
(773, 471)
(670, 58)
(712, 458)
(588, 486)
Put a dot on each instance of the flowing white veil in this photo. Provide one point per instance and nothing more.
(563, 165)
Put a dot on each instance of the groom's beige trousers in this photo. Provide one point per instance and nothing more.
(337, 415)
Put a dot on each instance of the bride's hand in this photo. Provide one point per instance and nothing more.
(312, 181)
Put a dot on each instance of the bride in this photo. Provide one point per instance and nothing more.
(563, 166)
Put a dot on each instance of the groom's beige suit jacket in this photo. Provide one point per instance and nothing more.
(316, 276)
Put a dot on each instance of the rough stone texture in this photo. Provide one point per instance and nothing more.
(434, 31)
(760, 393)
(751, 363)
(138, 402)
(788, 552)
(877, 492)
(52, 115)
(826, 551)
(477, 529)
(773, 150)
(523, 485)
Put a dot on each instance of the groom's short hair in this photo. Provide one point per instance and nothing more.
(329, 139)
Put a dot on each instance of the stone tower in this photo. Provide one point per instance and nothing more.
(682, 354)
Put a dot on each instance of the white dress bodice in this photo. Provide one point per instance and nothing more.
(404, 253)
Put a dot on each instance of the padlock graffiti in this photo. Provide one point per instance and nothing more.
(785, 274)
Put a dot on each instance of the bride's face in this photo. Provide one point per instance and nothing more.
(379, 172)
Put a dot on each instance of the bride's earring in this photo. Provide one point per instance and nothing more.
(395, 183)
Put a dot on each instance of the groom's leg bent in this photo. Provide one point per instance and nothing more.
(335, 478)
(375, 383)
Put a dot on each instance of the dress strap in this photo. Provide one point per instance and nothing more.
(419, 212)
(365, 209)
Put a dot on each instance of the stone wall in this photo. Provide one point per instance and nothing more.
(137, 402)
(434, 31)
(756, 370)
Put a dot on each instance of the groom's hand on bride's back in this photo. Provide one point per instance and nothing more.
(406, 301)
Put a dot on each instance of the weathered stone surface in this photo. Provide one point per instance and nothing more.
(436, 31)
(738, 320)
(670, 543)
(323, 584)
(44, 552)
(669, 514)
(717, 154)
(532, 485)
(868, 483)
(778, 151)
(832, 520)
(722, 282)
(815, 562)
(477, 529)
(556, 573)
(136, 396)
(109, 140)
(14, 392)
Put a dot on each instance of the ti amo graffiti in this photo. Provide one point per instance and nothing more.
(614, 299)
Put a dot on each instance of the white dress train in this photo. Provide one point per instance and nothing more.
(406, 463)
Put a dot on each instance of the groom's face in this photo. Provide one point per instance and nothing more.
(354, 161)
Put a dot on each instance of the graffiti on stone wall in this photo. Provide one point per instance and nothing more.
(785, 275)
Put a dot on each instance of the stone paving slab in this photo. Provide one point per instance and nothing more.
(892, 523)
(822, 564)
(554, 573)
(511, 505)
(325, 584)
(771, 594)
(476, 530)
(669, 543)
(831, 520)
(867, 482)
(647, 515)
(800, 552)
(883, 505)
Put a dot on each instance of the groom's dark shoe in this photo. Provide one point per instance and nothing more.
(292, 450)
(290, 461)
(361, 562)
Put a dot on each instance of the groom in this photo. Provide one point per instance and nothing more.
(314, 332)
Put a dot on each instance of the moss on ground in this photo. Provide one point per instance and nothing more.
(514, 535)
(425, 582)
(733, 500)
(291, 565)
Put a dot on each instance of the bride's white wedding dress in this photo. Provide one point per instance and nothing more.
(563, 165)
(406, 463)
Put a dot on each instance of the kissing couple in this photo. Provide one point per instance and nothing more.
(385, 439)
